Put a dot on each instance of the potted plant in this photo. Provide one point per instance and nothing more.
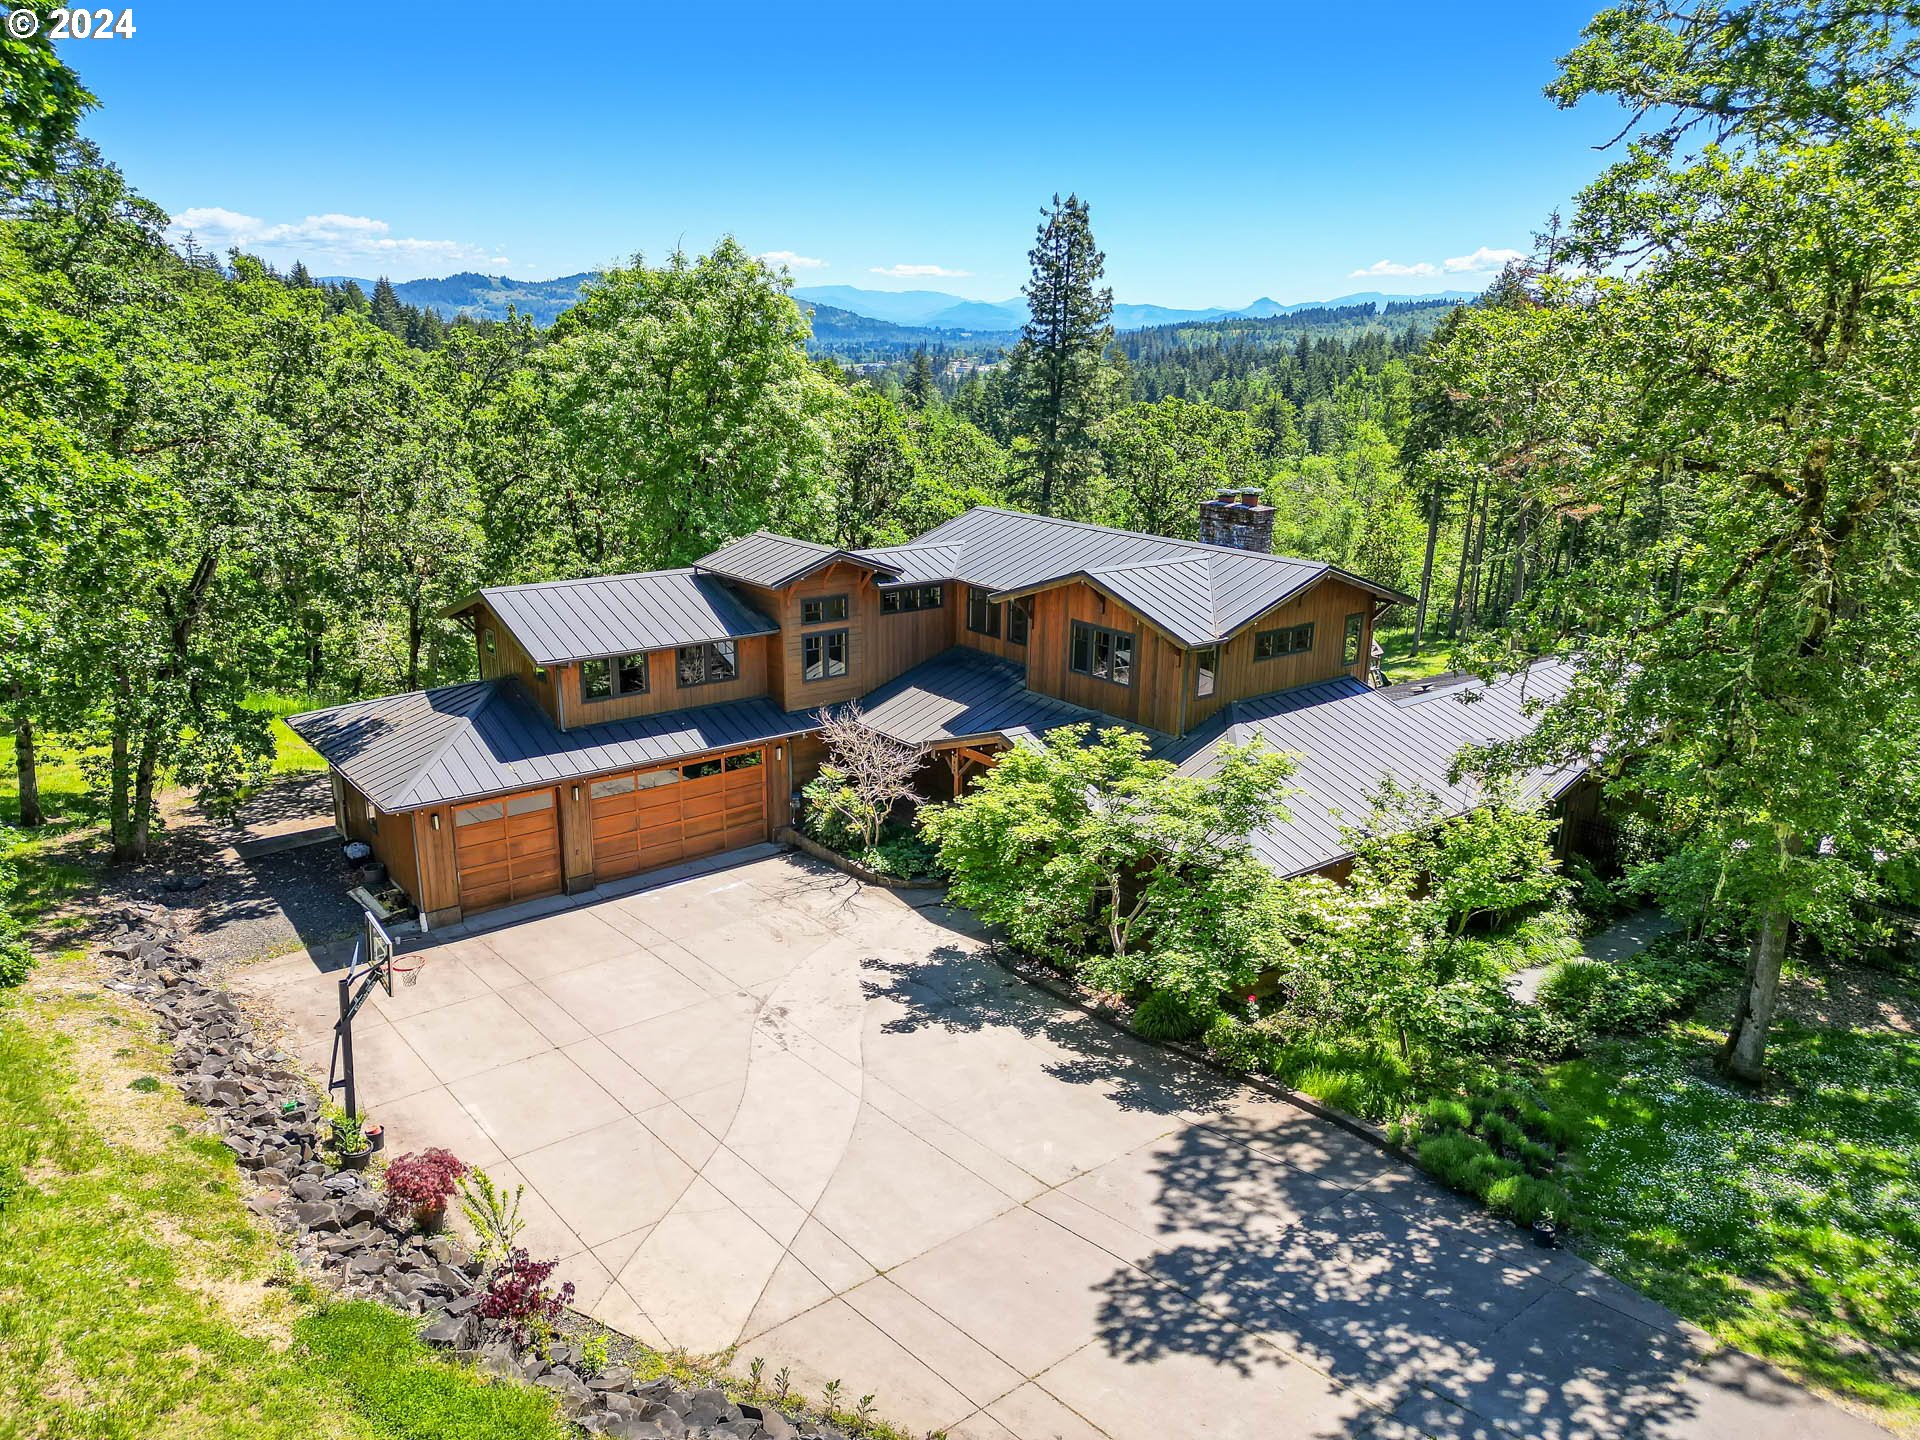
(350, 1142)
(423, 1184)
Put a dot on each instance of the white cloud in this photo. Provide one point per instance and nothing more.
(329, 244)
(1481, 262)
(919, 272)
(1484, 261)
(1394, 267)
(792, 261)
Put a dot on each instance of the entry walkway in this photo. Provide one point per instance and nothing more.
(772, 1109)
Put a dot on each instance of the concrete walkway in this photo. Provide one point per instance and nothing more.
(1622, 938)
(775, 1110)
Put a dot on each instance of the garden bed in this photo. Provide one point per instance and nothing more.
(788, 835)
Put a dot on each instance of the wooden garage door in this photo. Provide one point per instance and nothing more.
(507, 849)
(678, 812)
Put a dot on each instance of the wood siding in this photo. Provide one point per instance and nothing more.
(1152, 699)
(991, 644)
(879, 647)
(1240, 677)
(510, 657)
(664, 691)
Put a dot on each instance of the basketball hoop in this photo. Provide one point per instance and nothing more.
(409, 974)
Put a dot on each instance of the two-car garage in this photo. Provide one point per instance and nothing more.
(509, 849)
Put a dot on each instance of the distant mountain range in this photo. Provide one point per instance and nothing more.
(489, 296)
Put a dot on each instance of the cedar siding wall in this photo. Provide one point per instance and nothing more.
(973, 639)
(1327, 604)
(439, 893)
(879, 647)
(510, 658)
(663, 686)
(1152, 700)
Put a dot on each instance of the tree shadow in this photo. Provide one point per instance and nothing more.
(1439, 1318)
(961, 991)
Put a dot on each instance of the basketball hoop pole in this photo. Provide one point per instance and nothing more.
(374, 951)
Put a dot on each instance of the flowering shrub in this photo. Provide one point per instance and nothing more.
(425, 1181)
(517, 1296)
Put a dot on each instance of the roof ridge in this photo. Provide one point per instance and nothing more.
(493, 687)
(1200, 545)
(590, 579)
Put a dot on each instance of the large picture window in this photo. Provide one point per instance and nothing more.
(609, 678)
(823, 609)
(1292, 640)
(823, 655)
(911, 597)
(709, 664)
(983, 616)
(1102, 653)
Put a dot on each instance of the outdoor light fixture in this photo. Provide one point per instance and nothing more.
(435, 818)
(576, 792)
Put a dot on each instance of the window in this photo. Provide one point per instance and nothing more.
(1206, 671)
(746, 760)
(486, 639)
(708, 664)
(530, 802)
(654, 779)
(479, 814)
(1293, 640)
(823, 655)
(1102, 653)
(1356, 630)
(700, 769)
(822, 609)
(983, 616)
(1019, 616)
(604, 679)
(911, 597)
(619, 785)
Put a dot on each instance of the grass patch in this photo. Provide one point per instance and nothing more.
(291, 754)
(1399, 663)
(134, 1287)
(1787, 1223)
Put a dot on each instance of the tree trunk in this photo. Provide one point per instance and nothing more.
(119, 792)
(25, 762)
(1466, 551)
(413, 644)
(142, 816)
(1743, 1057)
(1426, 570)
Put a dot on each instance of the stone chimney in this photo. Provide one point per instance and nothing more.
(1236, 518)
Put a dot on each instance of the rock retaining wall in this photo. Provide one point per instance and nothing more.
(340, 1227)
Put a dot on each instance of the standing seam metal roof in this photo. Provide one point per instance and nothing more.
(1346, 738)
(462, 742)
(770, 560)
(963, 694)
(561, 621)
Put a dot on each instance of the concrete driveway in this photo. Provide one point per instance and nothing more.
(774, 1111)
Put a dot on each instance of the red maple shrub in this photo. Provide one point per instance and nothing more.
(425, 1181)
(517, 1296)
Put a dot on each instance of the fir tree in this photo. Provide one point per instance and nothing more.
(919, 387)
(1061, 388)
(388, 313)
(298, 277)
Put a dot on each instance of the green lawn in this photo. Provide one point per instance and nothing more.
(1399, 663)
(135, 1294)
(1787, 1223)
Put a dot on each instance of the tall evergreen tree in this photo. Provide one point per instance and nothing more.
(1061, 389)
(388, 313)
(919, 385)
(298, 277)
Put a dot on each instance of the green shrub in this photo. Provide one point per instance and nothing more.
(16, 958)
(1238, 1044)
(1162, 1016)
(1458, 1159)
(904, 855)
(1525, 1199)
(1443, 1113)
(832, 813)
(1635, 993)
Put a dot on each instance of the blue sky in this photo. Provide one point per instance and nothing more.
(1228, 151)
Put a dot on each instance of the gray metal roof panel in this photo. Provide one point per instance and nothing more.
(1347, 738)
(770, 560)
(461, 742)
(561, 621)
(963, 694)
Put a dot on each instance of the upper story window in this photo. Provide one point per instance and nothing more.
(708, 664)
(1206, 671)
(605, 679)
(1102, 653)
(1356, 631)
(823, 655)
(983, 616)
(823, 609)
(912, 597)
(486, 639)
(1292, 640)
(1019, 617)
